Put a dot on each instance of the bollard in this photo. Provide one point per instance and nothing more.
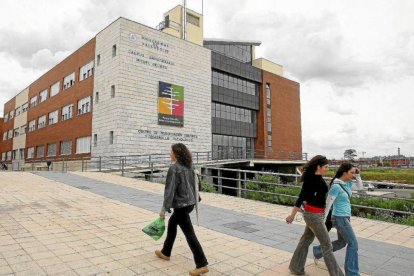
(100, 163)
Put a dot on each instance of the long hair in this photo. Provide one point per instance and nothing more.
(341, 170)
(310, 168)
(182, 154)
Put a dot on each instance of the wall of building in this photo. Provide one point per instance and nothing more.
(286, 119)
(145, 57)
(7, 145)
(70, 129)
(20, 121)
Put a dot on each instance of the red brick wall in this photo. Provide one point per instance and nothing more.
(8, 144)
(286, 119)
(78, 125)
(1, 133)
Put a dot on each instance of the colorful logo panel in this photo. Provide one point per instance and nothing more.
(170, 104)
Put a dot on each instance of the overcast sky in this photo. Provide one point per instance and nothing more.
(354, 60)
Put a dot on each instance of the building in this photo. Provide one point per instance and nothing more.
(136, 90)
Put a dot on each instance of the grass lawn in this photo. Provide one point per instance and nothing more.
(405, 176)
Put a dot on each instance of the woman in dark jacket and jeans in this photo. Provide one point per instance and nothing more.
(180, 195)
(313, 196)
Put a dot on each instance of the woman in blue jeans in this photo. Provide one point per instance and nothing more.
(340, 197)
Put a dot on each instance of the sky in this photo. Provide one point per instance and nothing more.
(354, 59)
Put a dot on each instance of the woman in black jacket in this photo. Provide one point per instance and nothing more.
(180, 195)
(313, 197)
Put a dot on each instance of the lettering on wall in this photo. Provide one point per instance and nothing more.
(168, 136)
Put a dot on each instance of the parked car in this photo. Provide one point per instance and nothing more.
(369, 186)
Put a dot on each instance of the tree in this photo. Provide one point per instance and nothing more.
(350, 154)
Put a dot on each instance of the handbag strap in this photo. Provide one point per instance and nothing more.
(349, 197)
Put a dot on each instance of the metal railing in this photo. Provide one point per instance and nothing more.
(241, 180)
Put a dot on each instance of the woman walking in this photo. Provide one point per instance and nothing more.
(313, 196)
(340, 197)
(180, 194)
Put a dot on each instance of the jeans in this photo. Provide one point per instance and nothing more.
(181, 217)
(346, 236)
(315, 226)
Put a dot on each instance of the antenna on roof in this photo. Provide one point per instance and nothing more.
(184, 23)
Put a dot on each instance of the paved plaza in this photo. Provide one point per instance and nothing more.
(90, 224)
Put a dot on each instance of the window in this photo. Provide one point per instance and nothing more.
(9, 155)
(22, 129)
(3, 156)
(98, 59)
(25, 106)
(86, 71)
(268, 92)
(83, 145)
(84, 105)
(192, 19)
(11, 114)
(111, 137)
(16, 132)
(41, 122)
(67, 112)
(51, 149)
(33, 101)
(30, 152)
(5, 136)
(95, 140)
(66, 147)
(6, 117)
(32, 125)
(96, 97)
(113, 91)
(40, 151)
(10, 134)
(43, 96)
(53, 117)
(17, 111)
(54, 89)
(113, 50)
(68, 81)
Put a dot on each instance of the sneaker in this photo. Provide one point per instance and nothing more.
(199, 271)
(161, 256)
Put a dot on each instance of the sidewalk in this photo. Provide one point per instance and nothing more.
(90, 223)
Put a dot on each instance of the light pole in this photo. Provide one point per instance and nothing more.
(363, 160)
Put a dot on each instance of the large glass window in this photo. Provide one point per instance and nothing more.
(54, 89)
(242, 53)
(30, 152)
(83, 144)
(269, 115)
(86, 71)
(84, 105)
(67, 112)
(232, 82)
(68, 81)
(40, 151)
(51, 149)
(231, 113)
(53, 117)
(33, 101)
(66, 147)
(230, 147)
(32, 125)
(43, 96)
(41, 122)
